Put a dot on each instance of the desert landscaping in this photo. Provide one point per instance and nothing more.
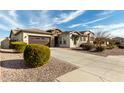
(12, 69)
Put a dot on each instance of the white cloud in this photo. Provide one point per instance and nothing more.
(94, 21)
(114, 29)
(75, 25)
(109, 27)
(43, 20)
(13, 14)
(87, 23)
(11, 21)
(3, 27)
(105, 13)
(101, 16)
(66, 17)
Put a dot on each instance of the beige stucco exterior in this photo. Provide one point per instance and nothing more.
(70, 42)
(19, 37)
(64, 39)
(78, 42)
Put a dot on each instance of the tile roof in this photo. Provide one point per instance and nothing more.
(31, 30)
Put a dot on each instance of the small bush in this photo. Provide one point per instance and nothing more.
(121, 46)
(36, 55)
(18, 46)
(87, 46)
(110, 46)
(117, 43)
(100, 48)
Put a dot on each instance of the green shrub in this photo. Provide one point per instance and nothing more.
(36, 55)
(117, 43)
(18, 46)
(121, 46)
(100, 48)
(87, 46)
(110, 46)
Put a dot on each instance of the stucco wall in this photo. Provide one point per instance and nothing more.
(70, 42)
(78, 42)
(19, 37)
(64, 40)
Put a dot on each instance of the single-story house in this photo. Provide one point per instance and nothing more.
(52, 37)
(31, 36)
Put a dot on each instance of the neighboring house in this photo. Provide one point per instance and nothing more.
(119, 39)
(52, 37)
(5, 43)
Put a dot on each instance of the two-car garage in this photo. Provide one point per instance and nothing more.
(39, 40)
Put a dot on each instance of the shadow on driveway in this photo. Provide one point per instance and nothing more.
(13, 64)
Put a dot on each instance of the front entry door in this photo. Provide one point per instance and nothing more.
(56, 41)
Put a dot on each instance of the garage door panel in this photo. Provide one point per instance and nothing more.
(39, 40)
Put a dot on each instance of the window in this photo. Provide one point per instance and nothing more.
(84, 38)
(80, 38)
(60, 42)
(64, 42)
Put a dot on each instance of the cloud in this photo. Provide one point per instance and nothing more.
(94, 21)
(105, 13)
(75, 25)
(114, 29)
(101, 16)
(66, 17)
(87, 23)
(43, 20)
(10, 21)
(3, 27)
(13, 14)
(109, 27)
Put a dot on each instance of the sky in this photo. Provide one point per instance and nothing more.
(66, 20)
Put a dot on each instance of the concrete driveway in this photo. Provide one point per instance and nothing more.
(92, 68)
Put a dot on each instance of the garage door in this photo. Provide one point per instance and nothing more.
(39, 40)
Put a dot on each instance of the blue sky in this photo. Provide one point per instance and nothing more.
(66, 20)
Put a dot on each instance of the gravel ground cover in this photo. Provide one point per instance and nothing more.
(107, 52)
(13, 69)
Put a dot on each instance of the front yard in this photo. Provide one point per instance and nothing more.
(13, 70)
(107, 52)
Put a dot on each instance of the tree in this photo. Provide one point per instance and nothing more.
(101, 37)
